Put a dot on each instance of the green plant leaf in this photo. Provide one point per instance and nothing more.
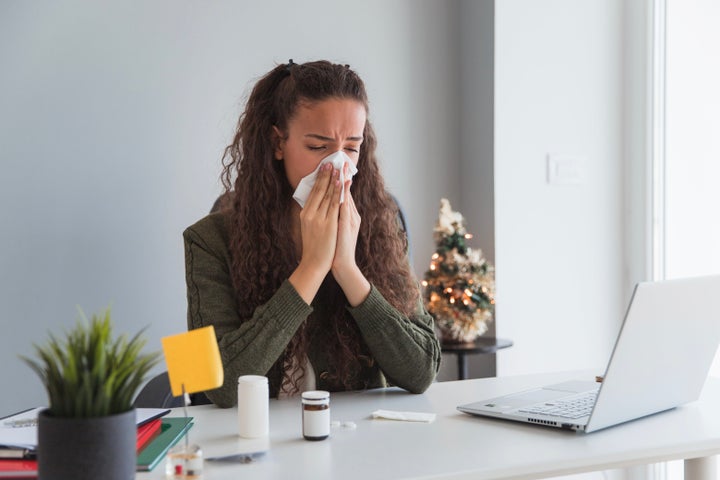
(88, 374)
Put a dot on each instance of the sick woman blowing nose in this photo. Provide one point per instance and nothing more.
(304, 273)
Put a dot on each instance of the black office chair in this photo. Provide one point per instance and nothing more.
(401, 215)
(222, 202)
(157, 394)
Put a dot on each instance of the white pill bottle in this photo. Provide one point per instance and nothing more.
(253, 406)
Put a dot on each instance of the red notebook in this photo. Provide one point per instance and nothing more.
(22, 468)
(146, 432)
(18, 468)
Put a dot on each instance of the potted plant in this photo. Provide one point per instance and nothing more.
(89, 429)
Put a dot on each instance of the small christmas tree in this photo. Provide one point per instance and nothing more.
(460, 284)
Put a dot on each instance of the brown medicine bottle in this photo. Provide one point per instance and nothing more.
(316, 415)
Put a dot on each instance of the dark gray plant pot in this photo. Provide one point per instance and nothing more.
(87, 448)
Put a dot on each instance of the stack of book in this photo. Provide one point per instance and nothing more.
(156, 434)
(167, 433)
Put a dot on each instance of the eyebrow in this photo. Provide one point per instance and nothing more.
(328, 139)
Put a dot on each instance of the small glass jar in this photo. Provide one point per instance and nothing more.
(316, 415)
(184, 463)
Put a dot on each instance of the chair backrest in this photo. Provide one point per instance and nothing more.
(157, 394)
(401, 215)
(221, 202)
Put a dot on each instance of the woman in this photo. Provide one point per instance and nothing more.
(319, 296)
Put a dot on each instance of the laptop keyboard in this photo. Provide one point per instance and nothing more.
(572, 407)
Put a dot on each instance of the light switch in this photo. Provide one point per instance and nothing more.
(565, 170)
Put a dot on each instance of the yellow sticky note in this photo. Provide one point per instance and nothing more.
(193, 359)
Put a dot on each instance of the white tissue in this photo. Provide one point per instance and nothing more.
(338, 159)
(404, 416)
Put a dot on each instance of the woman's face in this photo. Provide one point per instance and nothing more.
(317, 130)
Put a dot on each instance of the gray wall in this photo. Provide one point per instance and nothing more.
(476, 162)
(113, 116)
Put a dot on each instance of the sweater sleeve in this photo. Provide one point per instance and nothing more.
(406, 348)
(247, 346)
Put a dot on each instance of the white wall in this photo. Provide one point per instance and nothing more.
(558, 248)
(113, 116)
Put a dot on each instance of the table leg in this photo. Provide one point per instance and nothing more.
(462, 366)
(702, 468)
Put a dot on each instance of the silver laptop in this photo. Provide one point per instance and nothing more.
(661, 359)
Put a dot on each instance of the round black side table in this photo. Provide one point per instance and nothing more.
(481, 345)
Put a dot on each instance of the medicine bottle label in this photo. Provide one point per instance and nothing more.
(316, 423)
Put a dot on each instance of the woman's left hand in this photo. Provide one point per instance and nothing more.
(348, 228)
(344, 268)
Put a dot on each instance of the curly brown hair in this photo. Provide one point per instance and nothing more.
(261, 244)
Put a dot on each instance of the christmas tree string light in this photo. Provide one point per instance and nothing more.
(459, 286)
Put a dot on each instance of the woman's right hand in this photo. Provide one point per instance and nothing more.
(319, 230)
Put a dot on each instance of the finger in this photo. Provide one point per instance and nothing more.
(329, 193)
(346, 192)
(348, 195)
(334, 199)
(320, 187)
(348, 184)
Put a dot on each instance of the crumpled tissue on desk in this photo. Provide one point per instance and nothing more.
(404, 416)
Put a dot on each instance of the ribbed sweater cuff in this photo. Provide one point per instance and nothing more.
(287, 308)
(367, 312)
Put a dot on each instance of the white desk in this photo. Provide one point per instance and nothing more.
(456, 445)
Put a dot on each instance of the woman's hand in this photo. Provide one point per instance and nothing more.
(319, 231)
(344, 267)
(319, 220)
(348, 228)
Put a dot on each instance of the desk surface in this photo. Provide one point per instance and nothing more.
(456, 445)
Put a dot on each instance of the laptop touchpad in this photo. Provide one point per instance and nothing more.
(519, 400)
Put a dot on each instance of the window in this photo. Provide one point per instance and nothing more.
(692, 139)
(690, 233)
(686, 153)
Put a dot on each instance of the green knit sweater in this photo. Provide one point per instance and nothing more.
(405, 350)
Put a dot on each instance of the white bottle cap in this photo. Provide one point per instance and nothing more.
(316, 395)
(252, 380)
